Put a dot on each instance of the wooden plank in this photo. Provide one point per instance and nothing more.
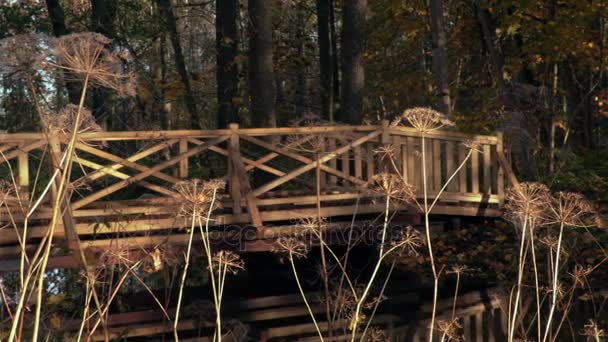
(303, 169)
(346, 162)
(467, 327)
(506, 166)
(479, 327)
(304, 160)
(140, 155)
(450, 167)
(500, 174)
(99, 153)
(23, 148)
(251, 164)
(396, 143)
(412, 173)
(270, 156)
(437, 163)
(321, 151)
(487, 169)
(66, 213)
(475, 172)
(154, 170)
(234, 181)
(444, 135)
(428, 148)
(370, 164)
(331, 145)
(245, 188)
(183, 164)
(120, 175)
(358, 162)
(462, 175)
(404, 160)
(24, 175)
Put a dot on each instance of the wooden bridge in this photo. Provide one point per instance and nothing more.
(122, 183)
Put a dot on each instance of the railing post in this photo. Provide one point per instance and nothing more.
(183, 164)
(500, 175)
(234, 182)
(66, 217)
(24, 173)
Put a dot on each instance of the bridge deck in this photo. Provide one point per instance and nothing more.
(122, 183)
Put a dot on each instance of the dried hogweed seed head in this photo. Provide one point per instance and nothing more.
(592, 330)
(88, 55)
(570, 209)
(228, 261)
(376, 334)
(393, 186)
(65, 120)
(293, 247)
(425, 120)
(196, 197)
(449, 329)
(528, 201)
(313, 225)
(22, 54)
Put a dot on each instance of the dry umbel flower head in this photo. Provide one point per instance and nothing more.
(393, 186)
(314, 225)
(227, 262)
(425, 120)
(376, 334)
(528, 201)
(593, 331)
(196, 197)
(88, 56)
(20, 55)
(293, 247)
(570, 209)
(65, 120)
(449, 329)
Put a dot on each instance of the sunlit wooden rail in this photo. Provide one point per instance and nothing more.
(122, 183)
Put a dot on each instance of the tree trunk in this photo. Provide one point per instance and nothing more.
(334, 56)
(59, 29)
(227, 69)
(262, 85)
(440, 58)
(325, 58)
(353, 73)
(102, 17)
(171, 24)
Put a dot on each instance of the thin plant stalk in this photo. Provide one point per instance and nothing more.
(312, 315)
(520, 271)
(183, 279)
(554, 285)
(427, 229)
(324, 274)
(361, 300)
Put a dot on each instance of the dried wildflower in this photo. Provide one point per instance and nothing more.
(424, 120)
(386, 151)
(65, 120)
(376, 334)
(528, 201)
(407, 242)
(472, 145)
(309, 119)
(228, 262)
(7, 190)
(592, 330)
(459, 269)
(196, 197)
(21, 55)
(393, 186)
(570, 209)
(449, 329)
(88, 56)
(294, 247)
(579, 275)
(314, 225)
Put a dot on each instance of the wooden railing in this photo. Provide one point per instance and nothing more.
(127, 178)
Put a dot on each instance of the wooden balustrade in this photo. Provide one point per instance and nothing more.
(125, 180)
